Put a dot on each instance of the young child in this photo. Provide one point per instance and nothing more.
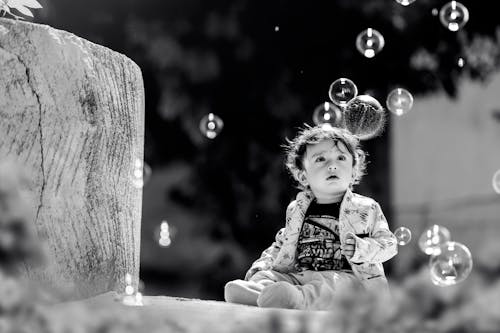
(333, 239)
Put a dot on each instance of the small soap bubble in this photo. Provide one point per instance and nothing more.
(370, 42)
(141, 173)
(405, 2)
(461, 62)
(163, 234)
(138, 163)
(450, 264)
(341, 91)
(211, 125)
(454, 15)
(495, 182)
(432, 238)
(328, 113)
(399, 101)
(403, 235)
(128, 279)
(129, 290)
(435, 12)
(364, 117)
(138, 299)
(277, 28)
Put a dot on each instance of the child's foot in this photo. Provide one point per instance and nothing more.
(281, 295)
(242, 292)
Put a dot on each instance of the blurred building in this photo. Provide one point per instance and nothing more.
(444, 153)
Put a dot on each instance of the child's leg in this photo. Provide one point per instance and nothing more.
(319, 288)
(247, 292)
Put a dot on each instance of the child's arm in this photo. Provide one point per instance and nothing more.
(268, 255)
(379, 246)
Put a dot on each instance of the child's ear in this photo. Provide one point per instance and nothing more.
(301, 176)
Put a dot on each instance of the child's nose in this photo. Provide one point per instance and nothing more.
(332, 167)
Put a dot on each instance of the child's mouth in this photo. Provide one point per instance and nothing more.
(332, 177)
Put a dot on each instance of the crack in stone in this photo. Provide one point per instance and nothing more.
(28, 76)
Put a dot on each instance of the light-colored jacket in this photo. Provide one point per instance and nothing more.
(360, 216)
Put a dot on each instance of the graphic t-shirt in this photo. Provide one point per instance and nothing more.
(318, 247)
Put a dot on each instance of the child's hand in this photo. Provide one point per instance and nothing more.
(348, 247)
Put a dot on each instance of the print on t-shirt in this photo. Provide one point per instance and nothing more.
(319, 243)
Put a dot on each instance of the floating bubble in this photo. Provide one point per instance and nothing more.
(131, 298)
(128, 279)
(138, 299)
(450, 264)
(370, 42)
(461, 62)
(403, 235)
(342, 91)
(454, 15)
(399, 101)
(432, 238)
(405, 2)
(364, 117)
(164, 234)
(496, 182)
(140, 173)
(328, 114)
(435, 12)
(277, 28)
(211, 125)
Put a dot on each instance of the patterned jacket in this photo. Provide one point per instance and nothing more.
(360, 216)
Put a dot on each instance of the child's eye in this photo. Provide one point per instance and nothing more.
(319, 159)
(342, 157)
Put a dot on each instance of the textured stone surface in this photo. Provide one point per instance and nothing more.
(72, 113)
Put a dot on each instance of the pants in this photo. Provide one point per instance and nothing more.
(318, 288)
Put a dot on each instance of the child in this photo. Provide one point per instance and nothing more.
(333, 239)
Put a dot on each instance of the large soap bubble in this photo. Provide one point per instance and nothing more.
(364, 116)
(450, 264)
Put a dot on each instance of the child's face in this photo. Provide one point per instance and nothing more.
(328, 170)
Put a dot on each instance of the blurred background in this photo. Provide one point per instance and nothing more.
(263, 67)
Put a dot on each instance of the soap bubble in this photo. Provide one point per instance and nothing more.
(370, 42)
(141, 173)
(454, 15)
(405, 2)
(164, 234)
(403, 235)
(342, 91)
(461, 62)
(211, 125)
(432, 238)
(496, 182)
(399, 101)
(328, 113)
(364, 117)
(450, 264)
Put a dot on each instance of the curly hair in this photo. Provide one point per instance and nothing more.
(296, 149)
